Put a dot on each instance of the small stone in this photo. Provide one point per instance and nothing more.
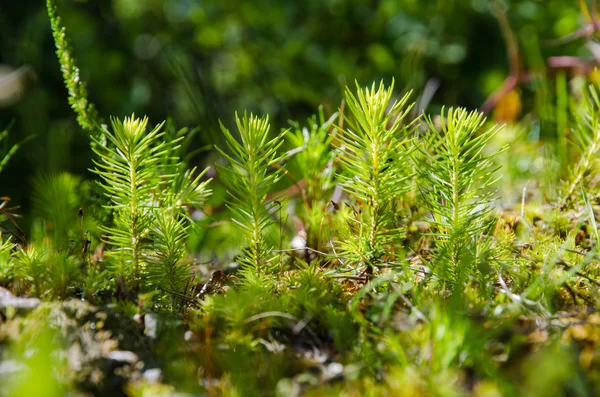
(151, 325)
(138, 318)
(153, 375)
(11, 367)
(123, 356)
(298, 242)
(5, 292)
(7, 301)
(333, 370)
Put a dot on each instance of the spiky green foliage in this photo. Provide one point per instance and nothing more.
(40, 269)
(187, 187)
(249, 178)
(32, 269)
(130, 173)
(149, 194)
(375, 146)
(167, 269)
(7, 266)
(586, 134)
(87, 116)
(456, 179)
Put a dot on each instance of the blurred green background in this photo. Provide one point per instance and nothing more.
(198, 61)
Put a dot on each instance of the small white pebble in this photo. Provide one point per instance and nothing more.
(123, 356)
(335, 369)
(153, 375)
(151, 325)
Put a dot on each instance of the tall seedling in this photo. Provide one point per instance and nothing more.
(128, 166)
(249, 177)
(456, 178)
(374, 163)
(148, 200)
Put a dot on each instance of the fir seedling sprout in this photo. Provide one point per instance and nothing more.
(586, 133)
(456, 179)
(249, 176)
(129, 171)
(374, 163)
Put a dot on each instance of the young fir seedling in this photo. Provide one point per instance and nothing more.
(7, 266)
(249, 177)
(586, 133)
(167, 269)
(128, 167)
(374, 163)
(148, 201)
(456, 176)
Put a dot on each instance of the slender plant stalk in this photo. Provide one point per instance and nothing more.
(87, 116)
